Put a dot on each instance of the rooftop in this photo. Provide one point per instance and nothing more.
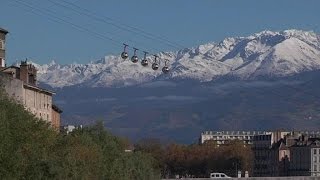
(3, 31)
(56, 108)
(35, 88)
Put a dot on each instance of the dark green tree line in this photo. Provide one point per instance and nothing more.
(30, 149)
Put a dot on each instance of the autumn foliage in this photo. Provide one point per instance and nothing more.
(198, 160)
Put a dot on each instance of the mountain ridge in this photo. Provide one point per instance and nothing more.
(263, 54)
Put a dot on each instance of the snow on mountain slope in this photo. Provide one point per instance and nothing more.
(264, 54)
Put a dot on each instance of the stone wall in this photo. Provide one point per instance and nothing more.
(13, 87)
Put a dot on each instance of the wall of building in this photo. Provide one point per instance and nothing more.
(300, 162)
(39, 103)
(2, 36)
(56, 119)
(315, 161)
(2, 49)
(14, 72)
(2, 58)
(34, 99)
(262, 153)
(13, 87)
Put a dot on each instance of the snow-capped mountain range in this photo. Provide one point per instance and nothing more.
(264, 54)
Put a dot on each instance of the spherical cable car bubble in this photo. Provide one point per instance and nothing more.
(165, 68)
(124, 54)
(155, 65)
(144, 62)
(135, 58)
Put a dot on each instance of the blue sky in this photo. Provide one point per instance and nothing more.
(34, 35)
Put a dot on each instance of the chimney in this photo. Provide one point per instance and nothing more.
(3, 34)
(24, 71)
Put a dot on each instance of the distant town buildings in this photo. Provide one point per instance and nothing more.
(276, 153)
(287, 154)
(20, 83)
(268, 150)
(223, 137)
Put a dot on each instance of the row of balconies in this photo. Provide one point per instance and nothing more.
(241, 133)
(229, 137)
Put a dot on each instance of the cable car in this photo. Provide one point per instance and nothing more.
(155, 65)
(135, 58)
(124, 54)
(165, 68)
(144, 62)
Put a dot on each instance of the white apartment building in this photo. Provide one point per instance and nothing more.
(223, 137)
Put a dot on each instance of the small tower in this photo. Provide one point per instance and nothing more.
(28, 73)
(3, 34)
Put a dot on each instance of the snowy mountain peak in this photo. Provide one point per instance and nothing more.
(262, 54)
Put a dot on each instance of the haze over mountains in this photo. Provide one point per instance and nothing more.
(266, 80)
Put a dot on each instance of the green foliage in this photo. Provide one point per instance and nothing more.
(30, 149)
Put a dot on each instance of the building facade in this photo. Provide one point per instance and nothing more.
(261, 145)
(286, 154)
(315, 158)
(223, 137)
(56, 118)
(3, 34)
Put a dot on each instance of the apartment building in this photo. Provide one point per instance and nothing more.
(223, 137)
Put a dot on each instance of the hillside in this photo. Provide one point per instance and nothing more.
(180, 111)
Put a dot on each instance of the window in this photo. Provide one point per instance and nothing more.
(315, 159)
(2, 44)
(315, 168)
(314, 151)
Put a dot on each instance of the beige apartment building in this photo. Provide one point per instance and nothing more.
(20, 83)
